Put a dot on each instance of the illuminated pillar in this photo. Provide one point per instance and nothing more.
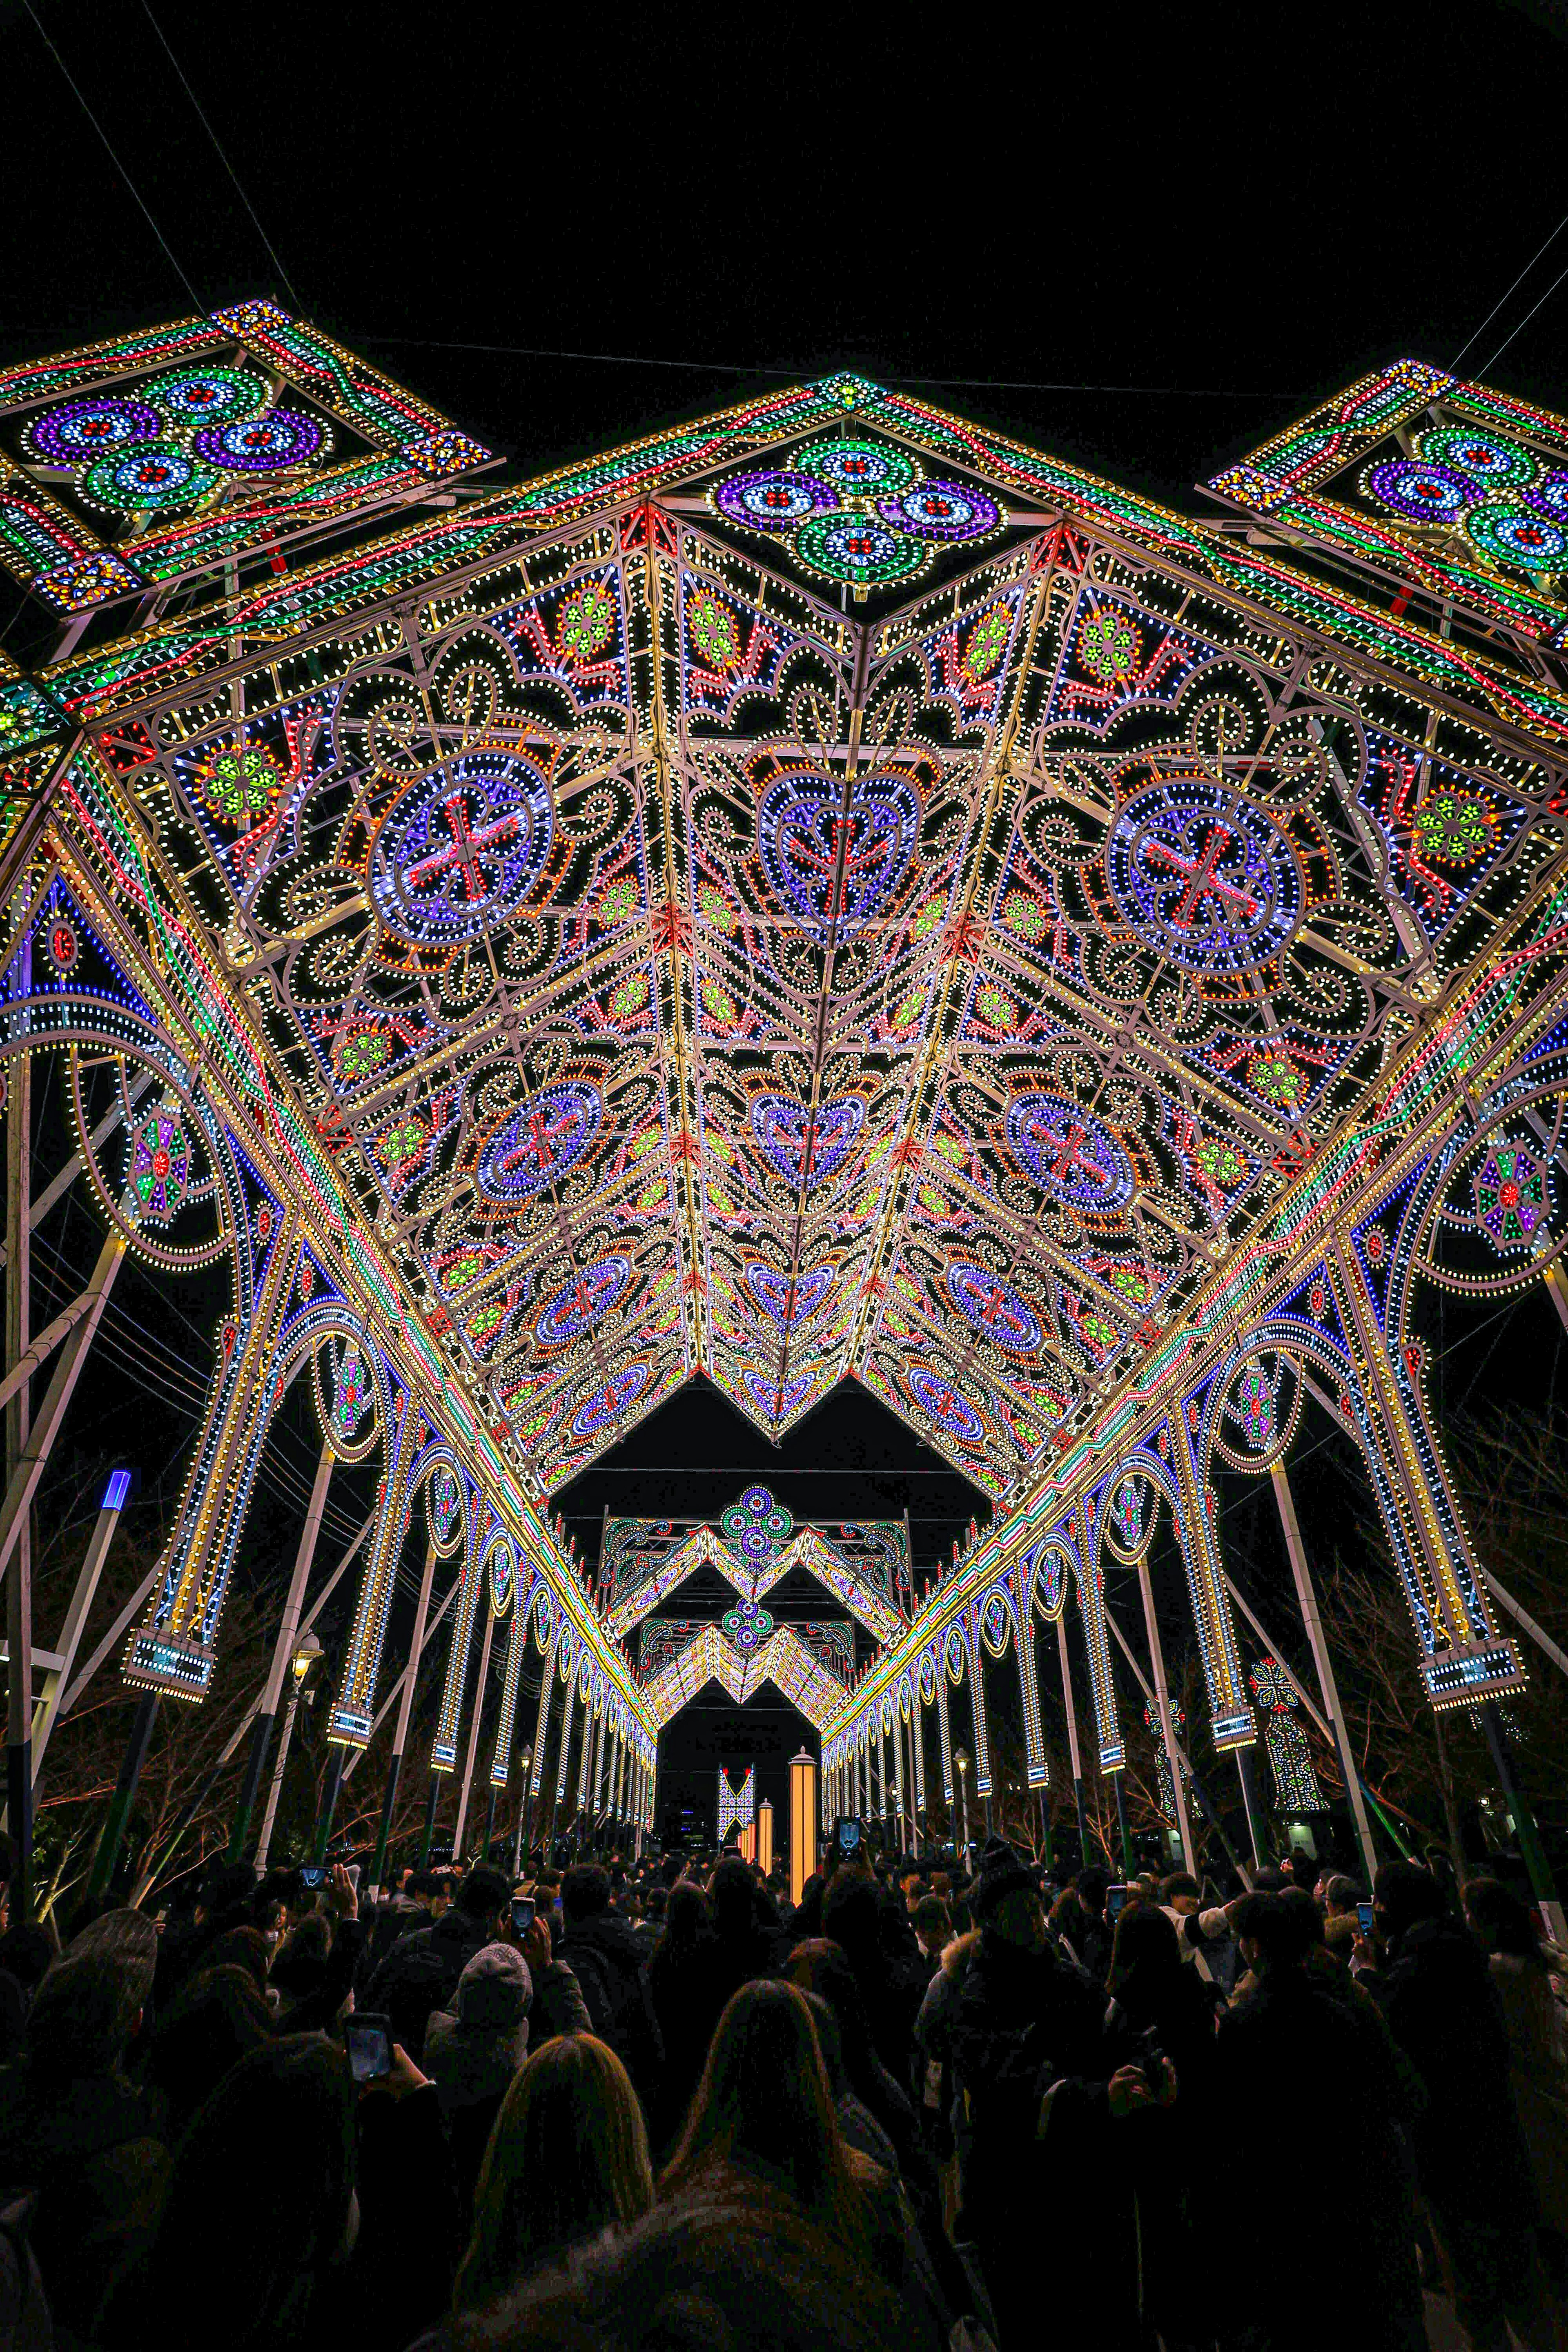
(352, 1716)
(1072, 1735)
(802, 1822)
(1230, 1710)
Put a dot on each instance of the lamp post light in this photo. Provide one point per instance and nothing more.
(960, 1766)
(306, 1651)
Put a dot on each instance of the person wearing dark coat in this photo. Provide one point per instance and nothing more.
(601, 1950)
(1334, 2160)
(1042, 2111)
(74, 2129)
(683, 1982)
(420, 1973)
(1436, 1990)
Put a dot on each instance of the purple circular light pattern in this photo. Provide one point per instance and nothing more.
(1205, 878)
(1506, 530)
(541, 1141)
(788, 1298)
(146, 477)
(463, 845)
(583, 1302)
(995, 1310)
(1072, 1155)
(942, 510)
(775, 500)
(260, 445)
(1549, 496)
(207, 396)
(806, 1149)
(835, 856)
(81, 430)
(952, 1414)
(607, 1404)
(1421, 490)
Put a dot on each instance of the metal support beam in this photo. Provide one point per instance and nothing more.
(1167, 1725)
(1307, 1601)
(1072, 1738)
(407, 1683)
(24, 1480)
(282, 1652)
(81, 1600)
(19, 1584)
(479, 1691)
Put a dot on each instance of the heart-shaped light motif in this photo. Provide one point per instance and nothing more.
(834, 853)
(788, 1298)
(807, 1148)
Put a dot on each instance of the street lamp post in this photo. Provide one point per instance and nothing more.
(960, 1766)
(307, 1651)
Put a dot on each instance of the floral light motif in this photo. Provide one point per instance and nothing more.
(756, 1527)
(160, 1173)
(746, 1626)
(1512, 1196)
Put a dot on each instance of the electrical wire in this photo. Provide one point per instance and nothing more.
(141, 200)
(1487, 365)
(223, 159)
(1497, 305)
(805, 375)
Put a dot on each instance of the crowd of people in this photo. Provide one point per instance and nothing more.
(652, 2104)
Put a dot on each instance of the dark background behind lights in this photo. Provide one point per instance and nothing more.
(1206, 218)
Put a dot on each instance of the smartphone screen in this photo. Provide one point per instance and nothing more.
(368, 2041)
(312, 1874)
(846, 1835)
(522, 1910)
(1364, 1914)
(1115, 1897)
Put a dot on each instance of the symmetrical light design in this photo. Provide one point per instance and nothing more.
(825, 892)
(736, 1806)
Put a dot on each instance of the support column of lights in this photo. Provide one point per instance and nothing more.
(479, 1689)
(765, 1836)
(1422, 1516)
(304, 1658)
(521, 1825)
(960, 1766)
(57, 1682)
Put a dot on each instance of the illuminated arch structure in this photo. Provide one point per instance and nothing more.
(825, 892)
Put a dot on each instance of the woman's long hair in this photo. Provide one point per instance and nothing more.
(764, 2102)
(568, 2157)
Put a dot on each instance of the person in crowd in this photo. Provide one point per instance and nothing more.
(1043, 2104)
(217, 2015)
(745, 1941)
(763, 2109)
(1079, 1922)
(73, 2129)
(933, 2032)
(419, 1901)
(303, 2213)
(1197, 1925)
(684, 1982)
(933, 1923)
(872, 1927)
(697, 2275)
(1435, 1989)
(1335, 2161)
(568, 2159)
(1519, 1962)
(821, 1967)
(602, 1953)
(1341, 1899)
(473, 2049)
(558, 2004)
(650, 1925)
(420, 1972)
(859, 2124)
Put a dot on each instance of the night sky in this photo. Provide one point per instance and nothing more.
(1145, 246)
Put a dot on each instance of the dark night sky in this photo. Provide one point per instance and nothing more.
(1205, 219)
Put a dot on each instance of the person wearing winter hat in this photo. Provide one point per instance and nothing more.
(473, 2049)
